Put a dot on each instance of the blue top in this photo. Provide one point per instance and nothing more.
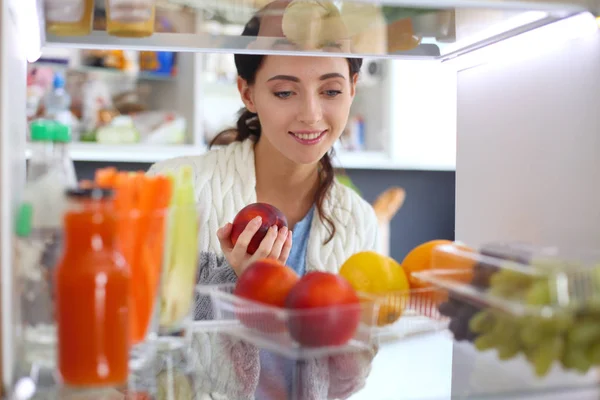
(276, 371)
(297, 257)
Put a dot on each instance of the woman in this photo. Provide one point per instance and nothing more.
(295, 110)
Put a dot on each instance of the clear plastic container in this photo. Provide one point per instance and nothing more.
(520, 278)
(278, 330)
(69, 17)
(408, 313)
(541, 303)
(130, 18)
(172, 372)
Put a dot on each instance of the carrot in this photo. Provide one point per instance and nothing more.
(139, 296)
(154, 200)
(164, 192)
(140, 203)
(146, 193)
(106, 177)
(125, 207)
(162, 198)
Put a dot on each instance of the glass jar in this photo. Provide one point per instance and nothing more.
(130, 18)
(69, 17)
(92, 284)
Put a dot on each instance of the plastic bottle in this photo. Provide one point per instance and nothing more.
(41, 147)
(38, 245)
(61, 138)
(58, 101)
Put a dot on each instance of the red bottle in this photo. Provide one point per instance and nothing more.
(92, 295)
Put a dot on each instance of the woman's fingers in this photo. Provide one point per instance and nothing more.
(266, 245)
(224, 234)
(285, 250)
(279, 243)
(241, 246)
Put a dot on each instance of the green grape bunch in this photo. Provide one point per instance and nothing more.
(569, 336)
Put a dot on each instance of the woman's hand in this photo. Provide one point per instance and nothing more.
(276, 245)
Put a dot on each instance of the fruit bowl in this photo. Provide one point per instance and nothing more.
(539, 302)
(324, 331)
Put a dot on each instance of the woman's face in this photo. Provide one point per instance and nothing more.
(302, 103)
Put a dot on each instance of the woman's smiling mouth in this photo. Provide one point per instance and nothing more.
(308, 137)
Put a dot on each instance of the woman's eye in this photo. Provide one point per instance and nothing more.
(283, 95)
(332, 93)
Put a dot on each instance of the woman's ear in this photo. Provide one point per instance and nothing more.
(353, 83)
(246, 94)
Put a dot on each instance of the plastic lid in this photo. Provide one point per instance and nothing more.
(89, 193)
(41, 131)
(61, 133)
(59, 81)
(24, 220)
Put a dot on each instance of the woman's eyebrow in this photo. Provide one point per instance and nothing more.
(296, 79)
(332, 75)
(284, 78)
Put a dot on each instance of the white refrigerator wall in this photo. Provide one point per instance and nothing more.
(528, 151)
(528, 160)
(12, 157)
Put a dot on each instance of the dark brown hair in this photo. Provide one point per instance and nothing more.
(248, 125)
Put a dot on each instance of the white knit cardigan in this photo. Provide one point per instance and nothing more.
(225, 182)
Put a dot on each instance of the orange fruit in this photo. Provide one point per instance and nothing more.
(419, 259)
(436, 254)
(379, 275)
(456, 257)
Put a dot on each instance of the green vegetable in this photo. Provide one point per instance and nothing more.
(182, 254)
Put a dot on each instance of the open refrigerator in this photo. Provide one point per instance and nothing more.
(527, 161)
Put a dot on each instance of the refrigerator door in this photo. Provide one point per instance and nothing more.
(20, 39)
(528, 163)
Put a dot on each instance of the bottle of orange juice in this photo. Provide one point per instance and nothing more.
(92, 295)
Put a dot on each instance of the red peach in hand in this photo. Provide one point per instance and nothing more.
(268, 282)
(270, 216)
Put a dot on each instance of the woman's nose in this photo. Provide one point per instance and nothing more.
(311, 111)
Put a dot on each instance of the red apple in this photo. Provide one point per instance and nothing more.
(324, 310)
(270, 216)
(268, 282)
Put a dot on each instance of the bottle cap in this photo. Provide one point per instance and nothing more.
(59, 81)
(41, 131)
(24, 220)
(61, 133)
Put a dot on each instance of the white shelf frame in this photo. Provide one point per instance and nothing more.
(144, 153)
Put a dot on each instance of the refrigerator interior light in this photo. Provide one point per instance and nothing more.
(530, 44)
(30, 25)
(495, 29)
